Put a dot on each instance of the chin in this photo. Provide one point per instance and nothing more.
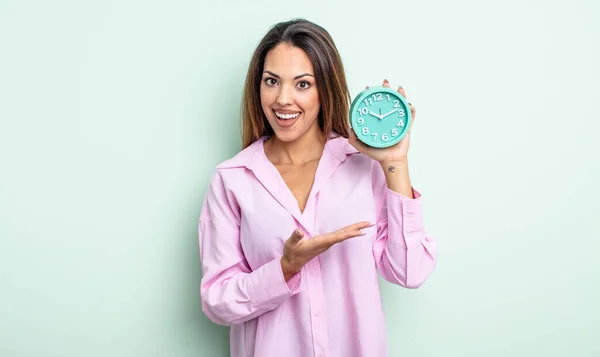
(293, 131)
(287, 136)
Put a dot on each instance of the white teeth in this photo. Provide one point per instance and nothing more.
(286, 116)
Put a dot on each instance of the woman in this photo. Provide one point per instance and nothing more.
(295, 228)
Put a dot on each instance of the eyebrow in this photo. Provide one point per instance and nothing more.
(300, 76)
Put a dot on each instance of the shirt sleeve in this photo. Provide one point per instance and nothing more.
(230, 290)
(404, 253)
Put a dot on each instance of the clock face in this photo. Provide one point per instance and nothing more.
(380, 117)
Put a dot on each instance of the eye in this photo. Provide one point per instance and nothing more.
(270, 81)
(304, 85)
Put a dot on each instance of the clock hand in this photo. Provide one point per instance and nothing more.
(386, 114)
(375, 115)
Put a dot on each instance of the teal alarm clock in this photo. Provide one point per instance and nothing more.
(380, 116)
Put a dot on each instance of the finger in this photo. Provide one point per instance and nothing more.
(402, 91)
(358, 225)
(339, 237)
(296, 236)
(356, 143)
(354, 230)
(353, 140)
(350, 231)
(386, 83)
(327, 240)
(413, 111)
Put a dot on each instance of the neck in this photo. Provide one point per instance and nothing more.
(306, 148)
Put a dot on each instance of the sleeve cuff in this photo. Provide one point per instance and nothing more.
(267, 285)
(407, 213)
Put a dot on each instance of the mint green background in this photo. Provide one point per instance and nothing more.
(113, 115)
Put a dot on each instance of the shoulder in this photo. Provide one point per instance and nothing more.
(348, 154)
(341, 148)
(242, 159)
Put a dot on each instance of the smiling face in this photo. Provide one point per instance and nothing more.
(288, 93)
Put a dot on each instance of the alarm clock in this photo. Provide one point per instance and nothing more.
(380, 116)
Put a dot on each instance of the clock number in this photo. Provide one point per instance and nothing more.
(377, 97)
(401, 123)
(385, 137)
(396, 103)
(363, 111)
(374, 136)
(368, 101)
(388, 97)
(395, 132)
(401, 113)
(365, 131)
(360, 121)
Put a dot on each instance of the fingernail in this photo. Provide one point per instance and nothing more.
(400, 87)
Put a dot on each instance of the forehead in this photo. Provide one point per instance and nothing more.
(286, 59)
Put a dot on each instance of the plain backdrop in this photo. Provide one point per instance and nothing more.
(114, 114)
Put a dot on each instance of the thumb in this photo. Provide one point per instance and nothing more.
(353, 139)
(356, 143)
(296, 236)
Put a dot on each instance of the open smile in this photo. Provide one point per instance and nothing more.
(286, 116)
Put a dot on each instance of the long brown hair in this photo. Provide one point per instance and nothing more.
(334, 97)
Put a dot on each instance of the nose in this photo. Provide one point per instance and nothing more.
(284, 97)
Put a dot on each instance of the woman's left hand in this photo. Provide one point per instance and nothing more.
(396, 153)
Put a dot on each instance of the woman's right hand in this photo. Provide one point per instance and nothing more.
(297, 252)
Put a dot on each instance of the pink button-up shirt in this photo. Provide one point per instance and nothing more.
(332, 307)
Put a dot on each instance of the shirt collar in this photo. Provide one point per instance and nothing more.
(254, 159)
